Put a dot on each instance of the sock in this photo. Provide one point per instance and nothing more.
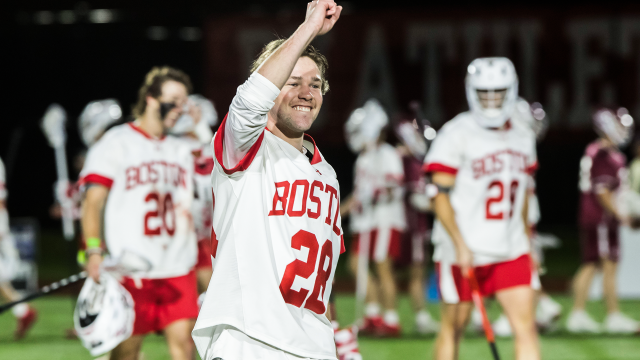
(372, 310)
(20, 310)
(391, 317)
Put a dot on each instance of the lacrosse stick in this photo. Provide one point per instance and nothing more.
(53, 124)
(46, 290)
(477, 300)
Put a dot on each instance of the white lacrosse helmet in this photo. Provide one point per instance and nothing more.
(365, 125)
(617, 126)
(491, 76)
(104, 314)
(532, 116)
(187, 124)
(96, 118)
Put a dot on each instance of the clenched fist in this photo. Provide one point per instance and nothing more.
(322, 15)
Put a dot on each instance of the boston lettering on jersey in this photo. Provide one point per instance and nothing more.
(495, 163)
(154, 172)
(284, 201)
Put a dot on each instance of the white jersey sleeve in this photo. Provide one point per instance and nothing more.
(103, 163)
(247, 117)
(446, 153)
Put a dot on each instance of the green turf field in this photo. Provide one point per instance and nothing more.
(46, 340)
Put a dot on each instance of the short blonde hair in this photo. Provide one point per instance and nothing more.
(311, 52)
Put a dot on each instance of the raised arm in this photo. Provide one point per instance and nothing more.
(248, 112)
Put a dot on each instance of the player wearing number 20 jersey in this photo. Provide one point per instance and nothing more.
(147, 213)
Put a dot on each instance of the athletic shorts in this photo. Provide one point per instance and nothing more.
(229, 343)
(455, 288)
(383, 244)
(600, 242)
(159, 302)
(204, 255)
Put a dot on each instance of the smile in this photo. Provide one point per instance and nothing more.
(302, 108)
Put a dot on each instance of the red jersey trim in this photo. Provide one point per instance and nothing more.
(437, 167)
(97, 179)
(532, 169)
(218, 146)
(144, 133)
(316, 154)
(204, 167)
(342, 248)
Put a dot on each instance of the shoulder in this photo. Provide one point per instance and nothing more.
(112, 139)
(593, 149)
(460, 124)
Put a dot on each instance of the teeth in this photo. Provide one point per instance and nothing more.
(302, 108)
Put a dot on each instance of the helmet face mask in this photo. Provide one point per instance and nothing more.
(492, 90)
(96, 117)
(365, 125)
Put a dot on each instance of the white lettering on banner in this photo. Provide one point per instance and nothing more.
(630, 31)
(586, 68)
(431, 37)
(376, 80)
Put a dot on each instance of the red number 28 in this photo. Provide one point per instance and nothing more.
(305, 270)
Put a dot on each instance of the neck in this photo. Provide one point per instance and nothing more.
(151, 124)
(606, 143)
(294, 139)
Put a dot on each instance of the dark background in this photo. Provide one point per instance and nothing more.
(73, 64)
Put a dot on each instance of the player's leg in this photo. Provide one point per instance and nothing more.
(204, 276)
(425, 324)
(453, 321)
(518, 304)
(24, 313)
(609, 270)
(386, 248)
(372, 319)
(204, 268)
(178, 335)
(578, 320)
(128, 349)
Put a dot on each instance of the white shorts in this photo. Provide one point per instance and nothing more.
(229, 343)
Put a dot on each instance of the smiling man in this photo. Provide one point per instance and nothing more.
(276, 233)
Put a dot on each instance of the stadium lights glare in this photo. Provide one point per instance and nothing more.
(190, 34)
(43, 17)
(67, 17)
(101, 16)
(157, 33)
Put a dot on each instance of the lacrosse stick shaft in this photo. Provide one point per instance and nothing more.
(46, 290)
(363, 273)
(486, 325)
(67, 211)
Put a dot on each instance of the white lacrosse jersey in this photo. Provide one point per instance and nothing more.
(202, 208)
(148, 210)
(492, 169)
(379, 187)
(276, 233)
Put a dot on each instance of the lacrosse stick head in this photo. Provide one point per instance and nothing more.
(53, 124)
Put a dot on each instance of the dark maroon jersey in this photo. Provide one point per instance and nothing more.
(600, 168)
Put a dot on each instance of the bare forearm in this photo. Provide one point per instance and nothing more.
(445, 213)
(278, 67)
(92, 207)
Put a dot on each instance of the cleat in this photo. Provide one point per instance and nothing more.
(580, 322)
(25, 323)
(618, 323)
(425, 324)
(548, 312)
(388, 331)
(371, 324)
(347, 343)
(502, 327)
